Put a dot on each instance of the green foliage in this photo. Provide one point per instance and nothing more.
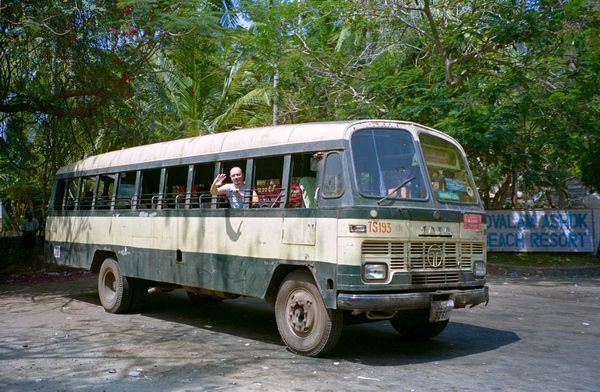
(515, 82)
(70, 81)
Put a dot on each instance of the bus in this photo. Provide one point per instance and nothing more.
(354, 221)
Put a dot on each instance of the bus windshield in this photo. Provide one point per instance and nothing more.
(386, 164)
(447, 170)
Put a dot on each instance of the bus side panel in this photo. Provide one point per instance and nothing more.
(61, 246)
(237, 253)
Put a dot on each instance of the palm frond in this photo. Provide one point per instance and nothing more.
(252, 109)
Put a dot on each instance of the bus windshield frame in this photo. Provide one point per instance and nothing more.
(450, 179)
(389, 165)
(386, 165)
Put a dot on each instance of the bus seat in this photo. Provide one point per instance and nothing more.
(123, 203)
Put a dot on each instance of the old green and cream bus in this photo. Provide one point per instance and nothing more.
(361, 220)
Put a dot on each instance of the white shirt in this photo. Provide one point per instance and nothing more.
(235, 200)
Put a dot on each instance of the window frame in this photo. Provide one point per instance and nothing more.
(324, 176)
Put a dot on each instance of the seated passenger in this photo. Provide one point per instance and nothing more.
(308, 186)
(235, 191)
(86, 202)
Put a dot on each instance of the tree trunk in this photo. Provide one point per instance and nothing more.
(500, 195)
(276, 69)
(275, 94)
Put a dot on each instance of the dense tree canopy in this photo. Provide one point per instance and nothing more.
(516, 82)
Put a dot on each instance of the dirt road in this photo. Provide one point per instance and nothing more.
(535, 335)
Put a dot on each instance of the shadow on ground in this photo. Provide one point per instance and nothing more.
(375, 343)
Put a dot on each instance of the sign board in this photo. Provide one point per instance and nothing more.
(541, 231)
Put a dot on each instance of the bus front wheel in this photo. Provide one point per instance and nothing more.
(306, 326)
(114, 288)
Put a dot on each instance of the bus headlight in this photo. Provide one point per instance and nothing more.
(375, 272)
(479, 269)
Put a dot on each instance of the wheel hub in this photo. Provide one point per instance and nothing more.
(300, 312)
(110, 283)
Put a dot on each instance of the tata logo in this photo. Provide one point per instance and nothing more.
(435, 256)
(436, 230)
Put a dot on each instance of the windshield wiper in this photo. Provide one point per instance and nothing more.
(396, 189)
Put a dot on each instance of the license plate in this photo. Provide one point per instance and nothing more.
(440, 310)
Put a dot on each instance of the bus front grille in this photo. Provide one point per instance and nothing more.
(423, 256)
(435, 278)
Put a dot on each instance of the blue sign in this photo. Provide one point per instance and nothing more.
(455, 185)
(540, 230)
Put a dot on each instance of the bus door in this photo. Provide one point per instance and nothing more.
(300, 224)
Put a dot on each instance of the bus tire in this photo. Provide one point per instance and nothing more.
(114, 288)
(414, 324)
(306, 326)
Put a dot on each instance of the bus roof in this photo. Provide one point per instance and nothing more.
(238, 140)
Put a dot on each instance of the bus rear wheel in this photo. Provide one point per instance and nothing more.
(414, 324)
(306, 326)
(114, 288)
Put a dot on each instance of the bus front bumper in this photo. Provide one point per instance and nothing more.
(407, 301)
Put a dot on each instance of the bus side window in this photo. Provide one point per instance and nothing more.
(69, 203)
(333, 183)
(59, 194)
(176, 182)
(203, 178)
(221, 200)
(105, 191)
(125, 190)
(304, 181)
(268, 179)
(149, 189)
(86, 193)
